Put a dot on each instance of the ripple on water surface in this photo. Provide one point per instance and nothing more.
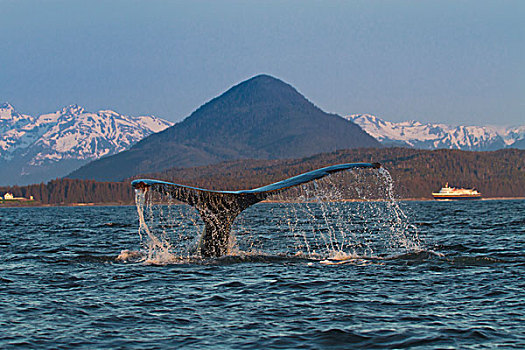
(62, 286)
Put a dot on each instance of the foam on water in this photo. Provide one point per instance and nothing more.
(345, 216)
(61, 287)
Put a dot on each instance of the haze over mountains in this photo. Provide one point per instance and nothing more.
(36, 149)
(434, 136)
(261, 118)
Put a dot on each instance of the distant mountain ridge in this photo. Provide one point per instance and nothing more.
(261, 118)
(436, 136)
(36, 149)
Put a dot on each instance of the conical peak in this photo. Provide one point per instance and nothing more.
(263, 82)
(263, 78)
(260, 90)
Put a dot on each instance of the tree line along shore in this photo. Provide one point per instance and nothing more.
(416, 174)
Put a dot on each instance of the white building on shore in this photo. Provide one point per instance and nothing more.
(9, 197)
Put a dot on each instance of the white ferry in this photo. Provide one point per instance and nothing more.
(450, 193)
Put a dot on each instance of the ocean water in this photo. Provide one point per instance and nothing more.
(462, 285)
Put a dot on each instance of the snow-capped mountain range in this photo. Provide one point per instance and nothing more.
(35, 149)
(434, 136)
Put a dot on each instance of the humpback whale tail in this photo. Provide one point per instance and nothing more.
(219, 209)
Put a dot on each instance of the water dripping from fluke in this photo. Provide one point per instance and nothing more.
(337, 213)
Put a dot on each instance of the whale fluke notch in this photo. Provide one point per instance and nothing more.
(219, 209)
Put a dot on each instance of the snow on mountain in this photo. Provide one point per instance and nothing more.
(10, 119)
(41, 145)
(433, 136)
(515, 135)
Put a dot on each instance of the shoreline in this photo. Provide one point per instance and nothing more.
(459, 200)
(108, 204)
(116, 204)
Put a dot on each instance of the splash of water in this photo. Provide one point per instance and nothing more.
(159, 249)
(351, 214)
(347, 215)
(402, 232)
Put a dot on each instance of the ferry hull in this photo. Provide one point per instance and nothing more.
(455, 198)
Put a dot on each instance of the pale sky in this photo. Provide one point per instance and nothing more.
(458, 62)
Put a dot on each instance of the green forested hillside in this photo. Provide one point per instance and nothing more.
(68, 191)
(416, 174)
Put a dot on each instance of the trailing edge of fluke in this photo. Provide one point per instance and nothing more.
(218, 209)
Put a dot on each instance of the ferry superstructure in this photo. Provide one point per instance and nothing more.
(451, 193)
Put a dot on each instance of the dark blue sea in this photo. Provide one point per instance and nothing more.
(462, 286)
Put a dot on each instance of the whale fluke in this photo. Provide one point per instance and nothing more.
(218, 209)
